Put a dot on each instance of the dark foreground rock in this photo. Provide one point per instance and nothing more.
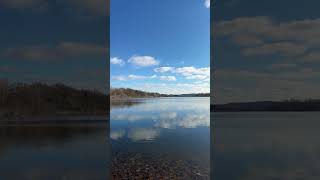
(143, 166)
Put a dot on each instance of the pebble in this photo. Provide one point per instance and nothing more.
(136, 166)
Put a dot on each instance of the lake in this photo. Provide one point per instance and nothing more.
(54, 152)
(265, 145)
(168, 138)
(161, 138)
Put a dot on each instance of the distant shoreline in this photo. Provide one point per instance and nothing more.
(271, 106)
(138, 98)
(127, 93)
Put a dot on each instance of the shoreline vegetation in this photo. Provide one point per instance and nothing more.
(127, 93)
(286, 105)
(22, 101)
(59, 102)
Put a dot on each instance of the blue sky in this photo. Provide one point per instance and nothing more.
(160, 46)
(54, 42)
(265, 50)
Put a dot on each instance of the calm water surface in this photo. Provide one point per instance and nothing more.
(54, 152)
(266, 146)
(161, 138)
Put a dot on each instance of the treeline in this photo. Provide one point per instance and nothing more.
(19, 100)
(126, 93)
(287, 105)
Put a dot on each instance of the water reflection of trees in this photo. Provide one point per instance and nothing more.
(42, 136)
(116, 104)
(55, 144)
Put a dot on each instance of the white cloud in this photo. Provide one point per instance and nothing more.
(116, 60)
(291, 38)
(137, 77)
(164, 69)
(284, 48)
(207, 3)
(143, 61)
(133, 77)
(194, 73)
(246, 39)
(200, 77)
(119, 78)
(176, 88)
(168, 78)
(197, 87)
(292, 48)
(188, 72)
(207, 79)
(198, 80)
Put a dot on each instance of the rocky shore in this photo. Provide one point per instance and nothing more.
(150, 166)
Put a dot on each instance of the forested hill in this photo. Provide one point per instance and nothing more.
(287, 105)
(125, 93)
(23, 100)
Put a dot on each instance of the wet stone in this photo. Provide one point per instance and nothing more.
(150, 166)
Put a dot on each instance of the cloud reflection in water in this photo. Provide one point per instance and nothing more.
(140, 134)
(160, 114)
